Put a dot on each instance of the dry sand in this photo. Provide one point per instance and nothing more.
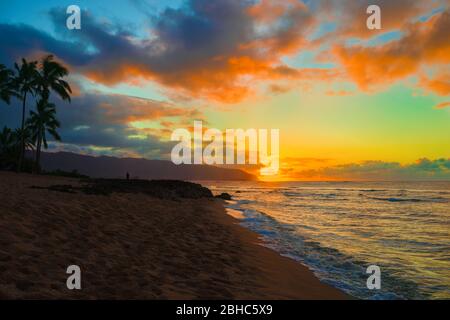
(134, 246)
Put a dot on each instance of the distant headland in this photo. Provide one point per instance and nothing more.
(113, 167)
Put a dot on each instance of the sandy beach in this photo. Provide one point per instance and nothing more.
(132, 245)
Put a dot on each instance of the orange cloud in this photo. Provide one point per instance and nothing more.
(340, 93)
(425, 44)
(266, 11)
(442, 105)
(279, 89)
(440, 84)
(116, 73)
(223, 51)
(223, 63)
(247, 46)
(126, 109)
(278, 40)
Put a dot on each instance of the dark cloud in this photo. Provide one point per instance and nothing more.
(350, 16)
(102, 123)
(205, 48)
(24, 41)
(220, 50)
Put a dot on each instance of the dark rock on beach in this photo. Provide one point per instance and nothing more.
(158, 188)
(164, 189)
(224, 196)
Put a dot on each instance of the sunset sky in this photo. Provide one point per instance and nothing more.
(350, 103)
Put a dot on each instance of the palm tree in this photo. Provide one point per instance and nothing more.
(50, 78)
(10, 146)
(25, 82)
(41, 122)
(26, 135)
(5, 84)
(6, 139)
(7, 147)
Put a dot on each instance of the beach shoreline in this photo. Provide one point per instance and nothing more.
(133, 245)
(283, 277)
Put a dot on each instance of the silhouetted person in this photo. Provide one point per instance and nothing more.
(128, 176)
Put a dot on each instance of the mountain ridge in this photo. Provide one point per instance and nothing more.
(114, 167)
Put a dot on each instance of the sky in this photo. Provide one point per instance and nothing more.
(350, 103)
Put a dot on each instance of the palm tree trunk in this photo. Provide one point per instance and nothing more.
(22, 139)
(38, 153)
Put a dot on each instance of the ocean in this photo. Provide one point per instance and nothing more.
(338, 229)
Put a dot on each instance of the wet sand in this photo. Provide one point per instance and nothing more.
(135, 246)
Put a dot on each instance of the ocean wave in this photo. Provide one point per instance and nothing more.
(329, 264)
(316, 228)
(392, 199)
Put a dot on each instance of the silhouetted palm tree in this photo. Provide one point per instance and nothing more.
(7, 148)
(38, 80)
(25, 82)
(26, 135)
(10, 146)
(50, 79)
(41, 122)
(5, 84)
(7, 140)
